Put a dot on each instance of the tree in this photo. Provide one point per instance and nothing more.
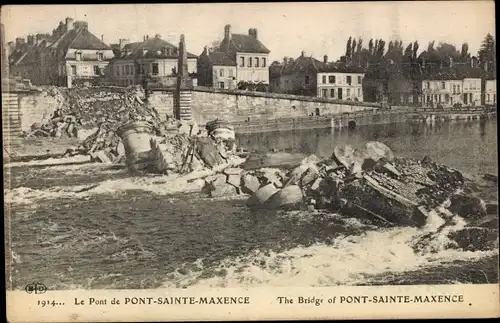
(370, 47)
(348, 48)
(353, 48)
(360, 45)
(464, 53)
(214, 46)
(415, 49)
(486, 55)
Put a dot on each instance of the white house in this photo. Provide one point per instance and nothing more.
(490, 92)
(472, 91)
(249, 54)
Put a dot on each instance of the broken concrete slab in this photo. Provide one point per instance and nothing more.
(262, 195)
(250, 183)
(222, 189)
(289, 197)
(234, 180)
(233, 171)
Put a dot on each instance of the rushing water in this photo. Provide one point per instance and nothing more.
(126, 232)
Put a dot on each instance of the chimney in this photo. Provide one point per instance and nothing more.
(325, 59)
(285, 60)
(31, 40)
(451, 62)
(227, 32)
(122, 42)
(157, 36)
(473, 61)
(303, 54)
(102, 38)
(19, 41)
(205, 50)
(253, 32)
(423, 62)
(486, 66)
(69, 23)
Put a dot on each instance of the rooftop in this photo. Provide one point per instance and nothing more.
(151, 48)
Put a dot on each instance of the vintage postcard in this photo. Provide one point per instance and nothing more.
(246, 161)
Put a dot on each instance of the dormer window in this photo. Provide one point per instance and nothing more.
(100, 56)
(78, 56)
(144, 51)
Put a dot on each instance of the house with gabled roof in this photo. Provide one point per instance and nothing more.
(298, 76)
(76, 56)
(152, 60)
(249, 54)
(337, 81)
(217, 70)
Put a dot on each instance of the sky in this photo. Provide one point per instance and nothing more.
(286, 29)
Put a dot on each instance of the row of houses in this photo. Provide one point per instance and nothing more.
(73, 55)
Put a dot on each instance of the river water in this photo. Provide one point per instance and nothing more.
(131, 232)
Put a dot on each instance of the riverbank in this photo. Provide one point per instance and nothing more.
(350, 120)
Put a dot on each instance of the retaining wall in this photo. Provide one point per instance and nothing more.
(238, 106)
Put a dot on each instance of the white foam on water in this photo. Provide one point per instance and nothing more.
(161, 185)
(348, 260)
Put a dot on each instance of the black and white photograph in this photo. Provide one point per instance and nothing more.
(217, 146)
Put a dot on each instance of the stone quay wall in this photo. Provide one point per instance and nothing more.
(239, 106)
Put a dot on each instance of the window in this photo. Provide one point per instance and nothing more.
(263, 62)
(306, 79)
(143, 69)
(332, 93)
(230, 72)
(137, 69)
(428, 85)
(155, 68)
(359, 92)
(256, 62)
(443, 85)
(249, 62)
(359, 79)
(349, 81)
(117, 70)
(221, 72)
(348, 92)
(323, 79)
(221, 85)
(458, 88)
(100, 56)
(78, 56)
(488, 97)
(97, 70)
(73, 69)
(242, 61)
(331, 79)
(123, 69)
(446, 98)
(454, 89)
(325, 92)
(127, 70)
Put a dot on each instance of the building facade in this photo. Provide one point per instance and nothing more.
(299, 76)
(472, 91)
(153, 59)
(217, 70)
(71, 55)
(451, 92)
(335, 83)
(248, 53)
(490, 96)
